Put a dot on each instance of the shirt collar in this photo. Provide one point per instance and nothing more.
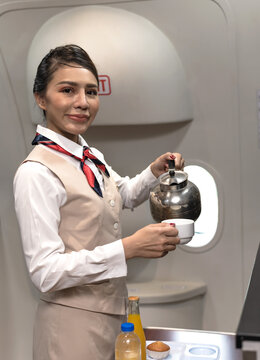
(70, 146)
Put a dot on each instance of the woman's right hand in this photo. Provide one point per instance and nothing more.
(152, 241)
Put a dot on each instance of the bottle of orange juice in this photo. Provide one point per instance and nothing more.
(134, 317)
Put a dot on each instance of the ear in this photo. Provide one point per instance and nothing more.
(40, 100)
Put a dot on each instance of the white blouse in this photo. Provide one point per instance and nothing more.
(39, 194)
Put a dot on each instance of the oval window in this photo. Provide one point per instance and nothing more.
(207, 223)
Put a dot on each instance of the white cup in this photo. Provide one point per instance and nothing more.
(185, 228)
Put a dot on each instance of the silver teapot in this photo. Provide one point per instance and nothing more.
(175, 197)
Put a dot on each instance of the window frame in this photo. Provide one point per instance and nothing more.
(220, 193)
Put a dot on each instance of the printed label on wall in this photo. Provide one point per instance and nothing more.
(104, 85)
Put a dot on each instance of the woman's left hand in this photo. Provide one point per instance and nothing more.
(160, 165)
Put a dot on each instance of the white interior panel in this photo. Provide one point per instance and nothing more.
(140, 61)
(16, 296)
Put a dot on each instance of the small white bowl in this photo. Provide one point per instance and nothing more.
(157, 354)
(185, 229)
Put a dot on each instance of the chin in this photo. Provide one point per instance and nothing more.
(78, 130)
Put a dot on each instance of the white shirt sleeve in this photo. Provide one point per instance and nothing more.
(38, 196)
(133, 191)
(136, 190)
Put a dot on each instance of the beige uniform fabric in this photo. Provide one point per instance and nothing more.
(66, 333)
(87, 220)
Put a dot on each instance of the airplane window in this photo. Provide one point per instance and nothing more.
(207, 223)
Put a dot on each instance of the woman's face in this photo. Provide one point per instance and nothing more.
(71, 101)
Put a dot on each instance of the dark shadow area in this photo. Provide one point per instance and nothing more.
(110, 132)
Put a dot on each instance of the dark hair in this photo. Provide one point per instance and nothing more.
(61, 55)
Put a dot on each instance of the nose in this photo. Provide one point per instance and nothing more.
(81, 100)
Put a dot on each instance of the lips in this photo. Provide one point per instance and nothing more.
(78, 117)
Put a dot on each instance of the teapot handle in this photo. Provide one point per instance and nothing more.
(171, 164)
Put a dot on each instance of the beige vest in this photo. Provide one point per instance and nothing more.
(87, 221)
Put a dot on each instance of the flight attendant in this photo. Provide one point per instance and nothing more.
(68, 202)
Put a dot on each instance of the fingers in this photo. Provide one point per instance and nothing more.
(166, 249)
(160, 165)
(177, 157)
(164, 253)
(152, 241)
(167, 229)
(167, 236)
(179, 161)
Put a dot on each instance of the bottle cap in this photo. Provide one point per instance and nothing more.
(133, 298)
(127, 326)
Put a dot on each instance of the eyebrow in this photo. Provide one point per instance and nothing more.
(72, 83)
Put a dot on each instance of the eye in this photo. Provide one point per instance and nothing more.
(92, 92)
(67, 90)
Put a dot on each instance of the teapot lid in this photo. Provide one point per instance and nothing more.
(174, 179)
(177, 181)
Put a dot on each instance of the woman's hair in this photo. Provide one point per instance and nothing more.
(61, 55)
